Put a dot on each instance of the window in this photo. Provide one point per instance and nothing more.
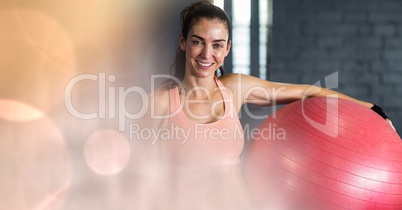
(250, 22)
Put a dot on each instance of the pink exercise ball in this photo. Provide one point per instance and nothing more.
(325, 153)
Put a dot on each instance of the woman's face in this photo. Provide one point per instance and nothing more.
(206, 47)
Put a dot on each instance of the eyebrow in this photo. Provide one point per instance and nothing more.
(202, 39)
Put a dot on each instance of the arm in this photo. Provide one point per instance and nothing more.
(261, 92)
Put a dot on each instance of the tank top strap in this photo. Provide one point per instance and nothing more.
(223, 90)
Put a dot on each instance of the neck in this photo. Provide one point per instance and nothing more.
(199, 85)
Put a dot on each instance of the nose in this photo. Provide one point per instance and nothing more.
(206, 52)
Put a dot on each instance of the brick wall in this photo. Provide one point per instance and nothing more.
(361, 39)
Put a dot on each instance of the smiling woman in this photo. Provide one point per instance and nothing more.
(206, 47)
(188, 18)
(198, 164)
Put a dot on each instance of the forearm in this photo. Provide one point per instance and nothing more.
(314, 91)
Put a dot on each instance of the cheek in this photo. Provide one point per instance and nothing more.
(191, 55)
(192, 52)
(219, 56)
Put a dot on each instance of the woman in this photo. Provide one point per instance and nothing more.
(195, 113)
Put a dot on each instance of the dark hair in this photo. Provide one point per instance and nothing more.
(189, 16)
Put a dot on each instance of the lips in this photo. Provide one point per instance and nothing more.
(204, 64)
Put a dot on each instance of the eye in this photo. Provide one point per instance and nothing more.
(197, 42)
(218, 46)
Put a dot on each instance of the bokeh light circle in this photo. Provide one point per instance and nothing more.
(107, 152)
(18, 112)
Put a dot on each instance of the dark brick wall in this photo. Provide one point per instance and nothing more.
(359, 39)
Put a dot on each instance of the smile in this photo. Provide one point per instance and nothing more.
(205, 64)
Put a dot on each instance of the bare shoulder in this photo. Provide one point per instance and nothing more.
(231, 81)
(238, 82)
(158, 108)
(246, 87)
(159, 101)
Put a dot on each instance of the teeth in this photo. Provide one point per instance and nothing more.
(204, 64)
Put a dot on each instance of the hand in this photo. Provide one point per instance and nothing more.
(390, 122)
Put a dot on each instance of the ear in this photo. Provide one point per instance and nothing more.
(182, 42)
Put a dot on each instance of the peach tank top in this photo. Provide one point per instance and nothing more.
(192, 145)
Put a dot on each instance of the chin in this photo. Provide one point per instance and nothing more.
(204, 74)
